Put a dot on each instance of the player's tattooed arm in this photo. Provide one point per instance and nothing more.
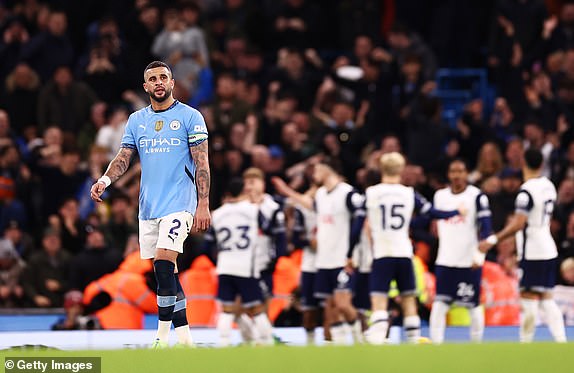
(202, 173)
(119, 165)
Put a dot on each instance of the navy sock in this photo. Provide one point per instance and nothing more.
(166, 288)
(179, 315)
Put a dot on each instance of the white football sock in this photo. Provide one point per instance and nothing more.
(554, 319)
(528, 319)
(264, 328)
(246, 327)
(357, 331)
(476, 324)
(163, 328)
(339, 333)
(377, 332)
(412, 326)
(438, 321)
(310, 337)
(184, 335)
(224, 324)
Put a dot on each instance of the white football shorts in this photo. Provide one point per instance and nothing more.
(167, 232)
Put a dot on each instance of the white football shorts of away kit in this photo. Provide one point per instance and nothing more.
(167, 232)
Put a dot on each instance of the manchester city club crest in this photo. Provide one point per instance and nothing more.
(158, 125)
(174, 125)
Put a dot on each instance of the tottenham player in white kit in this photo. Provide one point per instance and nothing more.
(304, 236)
(235, 230)
(340, 215)
(171, 141)
(271, 247)
(459, 262)
(536, 249)
(390, 206)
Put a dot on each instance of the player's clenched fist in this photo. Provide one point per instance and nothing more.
(97, 191)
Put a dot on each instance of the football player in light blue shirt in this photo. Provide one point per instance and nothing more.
(171, 140)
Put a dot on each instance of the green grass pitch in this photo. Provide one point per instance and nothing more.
(463, 358)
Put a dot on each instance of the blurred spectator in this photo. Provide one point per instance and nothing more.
(122, 222)
(534, 137)
(94, 261)
(21, 240)
(11, 267)
(110, 135)
(21, 98)
(14, 38)
(182, 45)
(566, 246)
(47, 151)
(51, 48)
(426, 133)
(489, 163)
(558, 32)
(567, 272)
(502, 204)
(102, 75)
(403, 42)
(502, 121)
(564, 207)
(513, 154)
(227, 109)
(67, 222)
(60, 183)
(98, 119)
(65, 102)
(45, 278)
(298, 24)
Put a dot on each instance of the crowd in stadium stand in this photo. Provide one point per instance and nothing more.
(267, 77)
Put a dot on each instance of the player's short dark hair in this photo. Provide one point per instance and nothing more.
(235, 187)
(533, 159)
(333, 163)
(459, 160)
(154, 64)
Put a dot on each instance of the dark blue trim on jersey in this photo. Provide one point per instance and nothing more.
(299, 236)
(357, 221)
(161, 111)
(524, 242)
(484, 218)
(128, 146)
(530, 202)
(279, 235)
(188, 173)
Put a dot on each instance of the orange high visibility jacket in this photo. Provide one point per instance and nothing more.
(500, 296)
(199, 283)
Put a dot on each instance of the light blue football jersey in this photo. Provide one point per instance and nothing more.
(162, 140)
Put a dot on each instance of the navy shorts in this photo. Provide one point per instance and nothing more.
(328, 281)
(308, 299)
(361, 296)
(386, 270)
(248, 288)
(266, 282)
(460, 286)
(538, 275)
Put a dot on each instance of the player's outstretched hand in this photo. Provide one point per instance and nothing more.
(462, 210)
(280, 186)
(202, 219)
(484, 246)
(350, 266)
(97, 191)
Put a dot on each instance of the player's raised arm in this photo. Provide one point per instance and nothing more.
(202, 218)
(118, 166)
(285, 190)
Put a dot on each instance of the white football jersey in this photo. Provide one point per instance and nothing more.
(458, 236)
(272, 213)
(236, 227)
(334, 213)
(307, 223)
(536, 199)
(363, 254)
(389, 211)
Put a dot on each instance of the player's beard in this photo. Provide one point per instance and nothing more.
(166, 95)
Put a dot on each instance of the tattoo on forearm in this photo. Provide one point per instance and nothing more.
(119, 165)
(202, 176)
